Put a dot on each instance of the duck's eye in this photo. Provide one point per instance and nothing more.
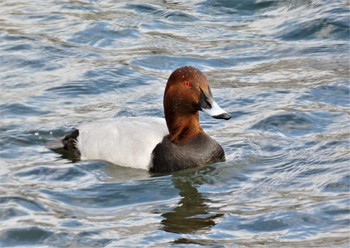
(187, 83)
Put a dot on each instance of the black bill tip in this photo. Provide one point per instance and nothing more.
(225, 116)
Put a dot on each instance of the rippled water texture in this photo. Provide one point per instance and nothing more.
(281, 68)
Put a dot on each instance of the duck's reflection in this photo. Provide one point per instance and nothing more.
(192, 213)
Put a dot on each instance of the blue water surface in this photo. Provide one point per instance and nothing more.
(281, 68)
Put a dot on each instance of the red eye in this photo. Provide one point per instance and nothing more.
(187, 83)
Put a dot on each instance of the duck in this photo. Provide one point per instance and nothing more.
(159, 145)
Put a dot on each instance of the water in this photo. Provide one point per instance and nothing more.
(281, 68)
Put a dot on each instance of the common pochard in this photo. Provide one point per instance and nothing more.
(156, 144)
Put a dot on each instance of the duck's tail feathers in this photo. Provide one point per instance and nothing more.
(66, 146)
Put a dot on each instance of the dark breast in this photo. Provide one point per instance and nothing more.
(169, 157)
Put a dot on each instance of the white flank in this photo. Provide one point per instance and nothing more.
(125, 141)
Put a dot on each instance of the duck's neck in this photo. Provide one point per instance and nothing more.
(182, 128)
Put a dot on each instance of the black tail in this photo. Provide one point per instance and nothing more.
(66, 146)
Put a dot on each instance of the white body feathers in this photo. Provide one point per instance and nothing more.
(125, 141)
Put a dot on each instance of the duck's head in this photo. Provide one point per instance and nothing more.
(188, 91)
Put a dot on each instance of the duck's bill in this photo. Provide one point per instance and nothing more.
(216, 111)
